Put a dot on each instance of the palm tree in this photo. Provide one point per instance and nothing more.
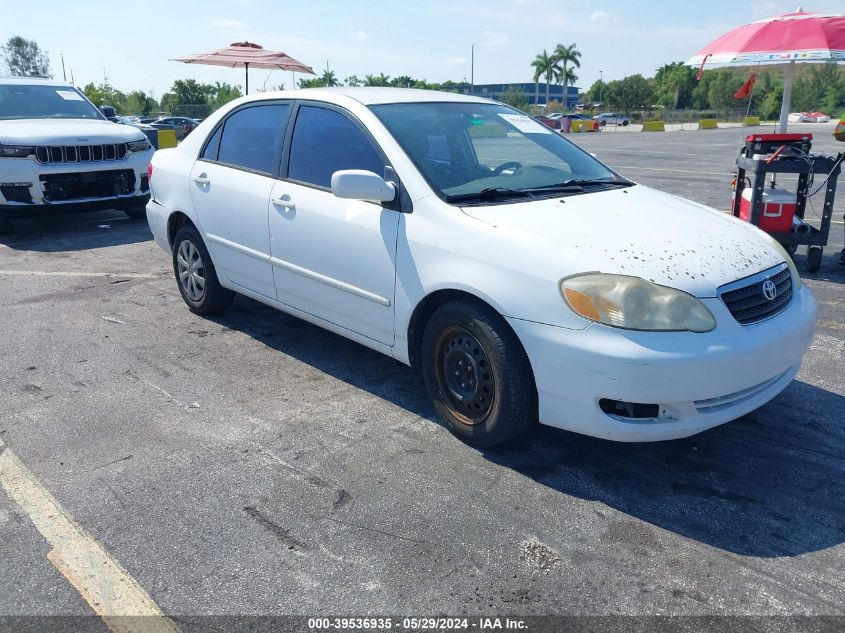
(545, 66)
(329, 78)
(566, 56)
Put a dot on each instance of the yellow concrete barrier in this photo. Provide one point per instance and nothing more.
(751, 120)
(166, 138)
(654, 126)
(582, 125)
(708, 124)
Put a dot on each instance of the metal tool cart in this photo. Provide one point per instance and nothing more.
(770, 209)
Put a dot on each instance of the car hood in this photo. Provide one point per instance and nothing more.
(65, 132)
(636, 231)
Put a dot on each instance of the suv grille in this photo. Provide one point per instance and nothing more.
(747, 301)
(80, 153)
(89, 184)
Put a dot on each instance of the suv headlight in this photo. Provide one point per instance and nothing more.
(634, 304)
(16, 151)
(139, 146)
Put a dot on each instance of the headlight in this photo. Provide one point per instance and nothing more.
(796, 278)
(16, 151)
(635, 304)
(139, 146)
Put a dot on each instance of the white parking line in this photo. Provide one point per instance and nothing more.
(108, 588)
(724, 174)
(70, 273)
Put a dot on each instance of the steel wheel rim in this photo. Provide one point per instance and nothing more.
(464, 375)
(190, 270)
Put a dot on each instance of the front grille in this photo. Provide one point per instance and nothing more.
(746, 300)
(80, 153)
(88, 184)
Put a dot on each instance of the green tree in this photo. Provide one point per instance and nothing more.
(377, 80)
(106, 94)
(515, 97)
(328, 78)
(770, 106)
(224, 93)
(352, 81)
(632, 92)
(316, 82)
(596, 92)
(569, 57)
(24, 58)
(720, 95)
(674, 84)
(138, 102)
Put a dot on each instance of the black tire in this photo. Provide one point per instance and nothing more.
(814, 258)
(136, 213)
(5, 224)
(461, 339)
(602, 122)
(212, 298)
(625, 122)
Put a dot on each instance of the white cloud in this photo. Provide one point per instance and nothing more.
(456, 61)
(491, 38)
(362, 35)
(602, 16)
(225, 23)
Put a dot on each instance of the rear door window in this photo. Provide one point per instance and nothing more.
(252, 137)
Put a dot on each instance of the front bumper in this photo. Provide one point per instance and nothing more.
(27, 186)
(698, 380)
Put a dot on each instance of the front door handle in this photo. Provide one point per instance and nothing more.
(202, 179)
(284, 201)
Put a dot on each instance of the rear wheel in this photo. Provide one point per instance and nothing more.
(477, 374)
(195, 274)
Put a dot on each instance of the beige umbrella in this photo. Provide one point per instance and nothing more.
(246, 55)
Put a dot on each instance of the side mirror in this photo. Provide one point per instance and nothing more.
(359, 184)
(108, 111)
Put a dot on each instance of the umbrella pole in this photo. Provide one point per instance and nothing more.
(788, 74)
(246, 66)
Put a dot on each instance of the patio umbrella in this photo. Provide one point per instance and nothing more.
(246, 55)
(785, 39)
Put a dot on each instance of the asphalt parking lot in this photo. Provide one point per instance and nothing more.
(255, 464)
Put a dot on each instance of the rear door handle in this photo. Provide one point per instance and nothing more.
(284, 201)
(202, 179)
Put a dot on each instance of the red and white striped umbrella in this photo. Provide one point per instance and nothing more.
(246, 55)
(784, 39)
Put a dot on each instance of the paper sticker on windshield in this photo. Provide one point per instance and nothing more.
(69, 95)
(525, 124)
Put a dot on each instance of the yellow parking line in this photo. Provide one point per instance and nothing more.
(112, 593)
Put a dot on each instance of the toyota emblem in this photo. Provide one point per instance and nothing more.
(770, 290)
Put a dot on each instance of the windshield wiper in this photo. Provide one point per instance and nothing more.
(581, 182)
(490, 193)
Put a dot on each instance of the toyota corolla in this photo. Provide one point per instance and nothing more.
(526, 280)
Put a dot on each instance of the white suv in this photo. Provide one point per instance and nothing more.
(58, 151)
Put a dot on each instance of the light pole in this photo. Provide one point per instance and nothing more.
(64, 74)
(601, 84)
(472, 70)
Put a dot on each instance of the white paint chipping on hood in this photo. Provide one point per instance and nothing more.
(641, 232)
(66, 132)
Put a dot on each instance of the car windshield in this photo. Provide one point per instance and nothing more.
(491, 152)
(32, 101)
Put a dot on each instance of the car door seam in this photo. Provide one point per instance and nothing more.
(331, 281)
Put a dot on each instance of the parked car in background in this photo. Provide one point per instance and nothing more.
(429, 226)
(58, 152)
(807, 117)
(181, 125)
(611, 118)
(548, 121)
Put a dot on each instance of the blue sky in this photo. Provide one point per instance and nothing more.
(430, 39)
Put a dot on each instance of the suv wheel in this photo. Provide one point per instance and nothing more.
(195, 274)
(477, 374)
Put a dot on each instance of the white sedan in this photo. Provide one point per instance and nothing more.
(525, 279)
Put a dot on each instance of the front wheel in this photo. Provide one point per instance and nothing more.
(136, 213)
(195, 274)
(477, 374)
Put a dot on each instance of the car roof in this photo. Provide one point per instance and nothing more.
(370, 96)
(33, 81)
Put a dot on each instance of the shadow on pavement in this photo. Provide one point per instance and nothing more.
(771, 484)
(75, 232)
